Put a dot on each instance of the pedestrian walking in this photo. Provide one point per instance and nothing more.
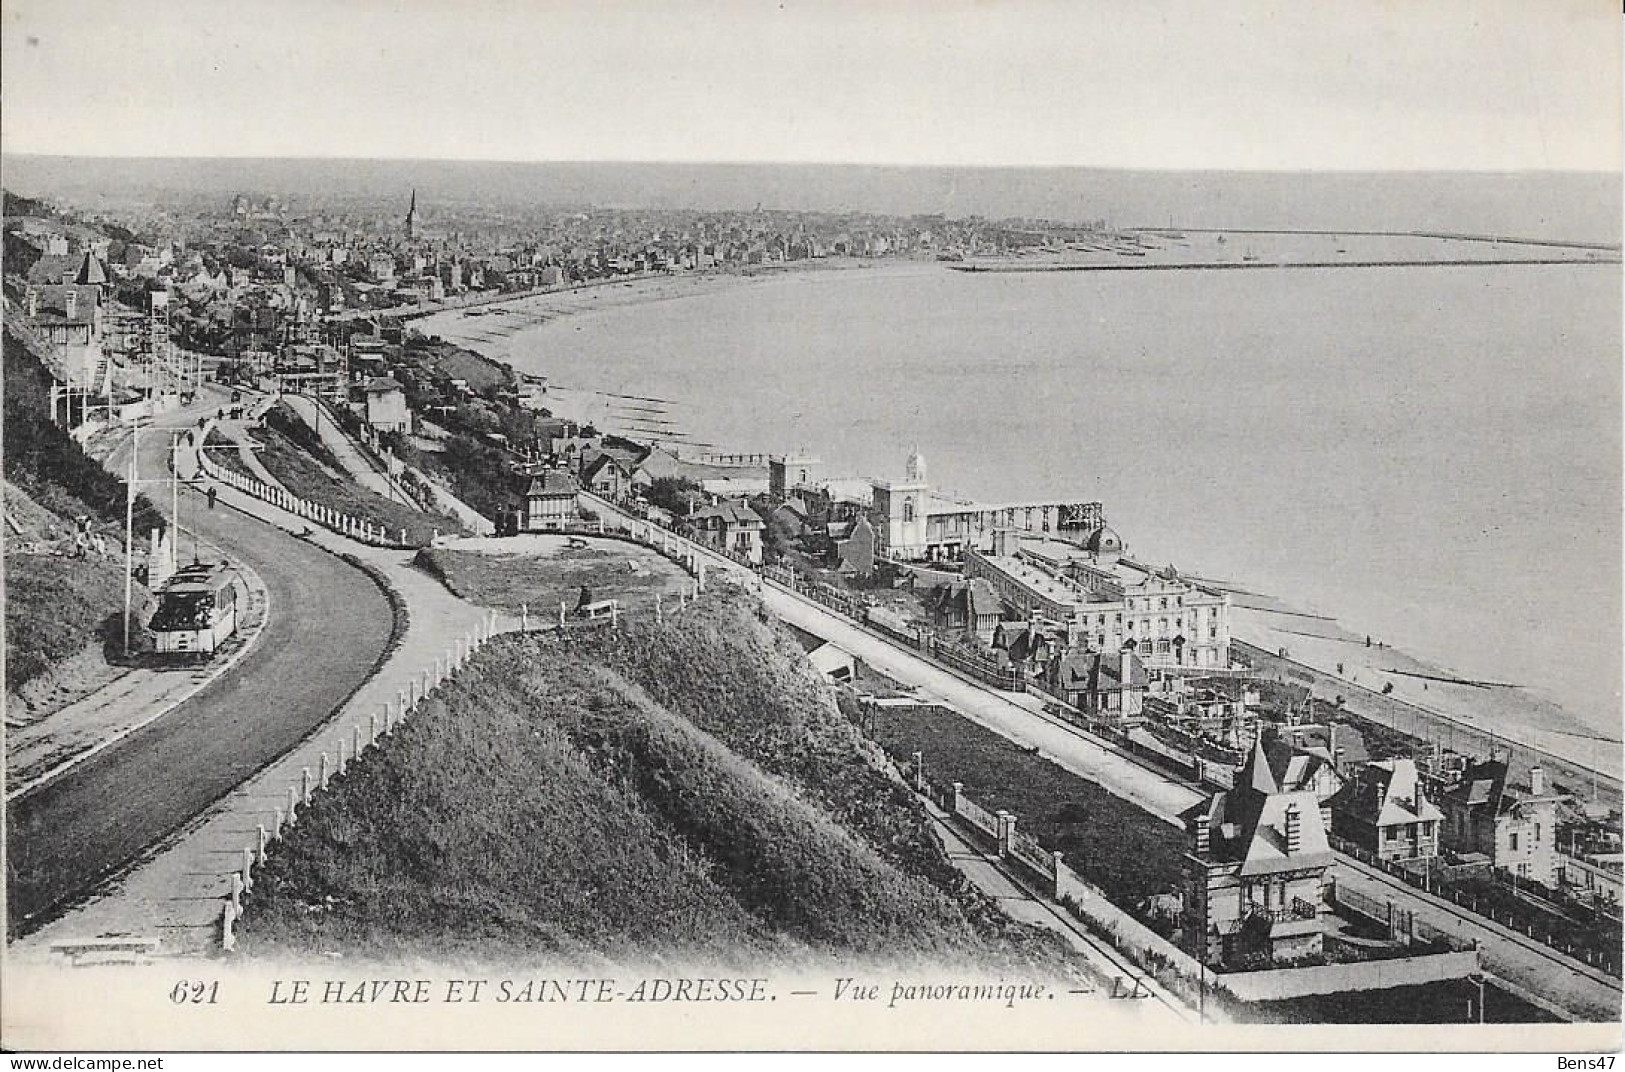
(213, 494)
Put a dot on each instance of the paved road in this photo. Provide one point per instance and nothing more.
(338, 442)
(329, 626)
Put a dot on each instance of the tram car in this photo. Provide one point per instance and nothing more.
(197, 610)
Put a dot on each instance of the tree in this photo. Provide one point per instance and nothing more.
(673, 493)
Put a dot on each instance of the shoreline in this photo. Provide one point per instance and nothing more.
(1525, 715)
(541, 308)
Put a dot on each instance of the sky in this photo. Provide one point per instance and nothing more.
(1243, 84)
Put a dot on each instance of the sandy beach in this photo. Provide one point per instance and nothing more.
(504, 331)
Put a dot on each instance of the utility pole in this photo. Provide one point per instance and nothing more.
(129, 535)
(175, 485)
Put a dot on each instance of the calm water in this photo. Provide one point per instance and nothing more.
(1431, 454)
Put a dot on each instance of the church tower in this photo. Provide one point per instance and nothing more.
(412, 217)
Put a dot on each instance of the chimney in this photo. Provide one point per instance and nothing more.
(31, 302)
(1125, 659)
(70, 302)
(1294, 831)
(1202, 836)
(1537, 781)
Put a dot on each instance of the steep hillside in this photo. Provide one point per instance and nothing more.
(546, 803)
(43, 460)
(60, 603)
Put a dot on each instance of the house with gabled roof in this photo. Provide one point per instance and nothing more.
(966, 606)
(552, 499)
(1255, 872)
(607, 475)
(1297, 769)
(1514, 825)
(1384, 809)
(1105, 684)
(731, 526)
(386, 405)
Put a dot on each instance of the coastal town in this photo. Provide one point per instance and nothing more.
(1195, 813)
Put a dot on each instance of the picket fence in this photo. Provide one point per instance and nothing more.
(358, 529)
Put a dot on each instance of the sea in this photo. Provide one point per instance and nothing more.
(1429, 454)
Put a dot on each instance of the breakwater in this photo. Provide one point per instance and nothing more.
(1221, 265)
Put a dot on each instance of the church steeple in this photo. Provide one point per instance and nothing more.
(412, 215)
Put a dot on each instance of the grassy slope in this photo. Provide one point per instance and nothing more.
(55, 607)
(223, 451)
(542, 582)
(546, 804)
(739, 675)
(303, 476)
(482, 830)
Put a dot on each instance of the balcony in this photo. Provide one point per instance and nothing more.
(1299, 917)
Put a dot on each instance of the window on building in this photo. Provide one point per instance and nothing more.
(908, 509)
(1513, 842)
(1537, 834)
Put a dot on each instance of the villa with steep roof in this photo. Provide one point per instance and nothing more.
(1255, 872)
(1383, 809)
(966, 606)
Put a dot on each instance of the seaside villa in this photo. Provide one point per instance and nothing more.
(1256, 871)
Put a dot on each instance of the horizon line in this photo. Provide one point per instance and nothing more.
(888, 165)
